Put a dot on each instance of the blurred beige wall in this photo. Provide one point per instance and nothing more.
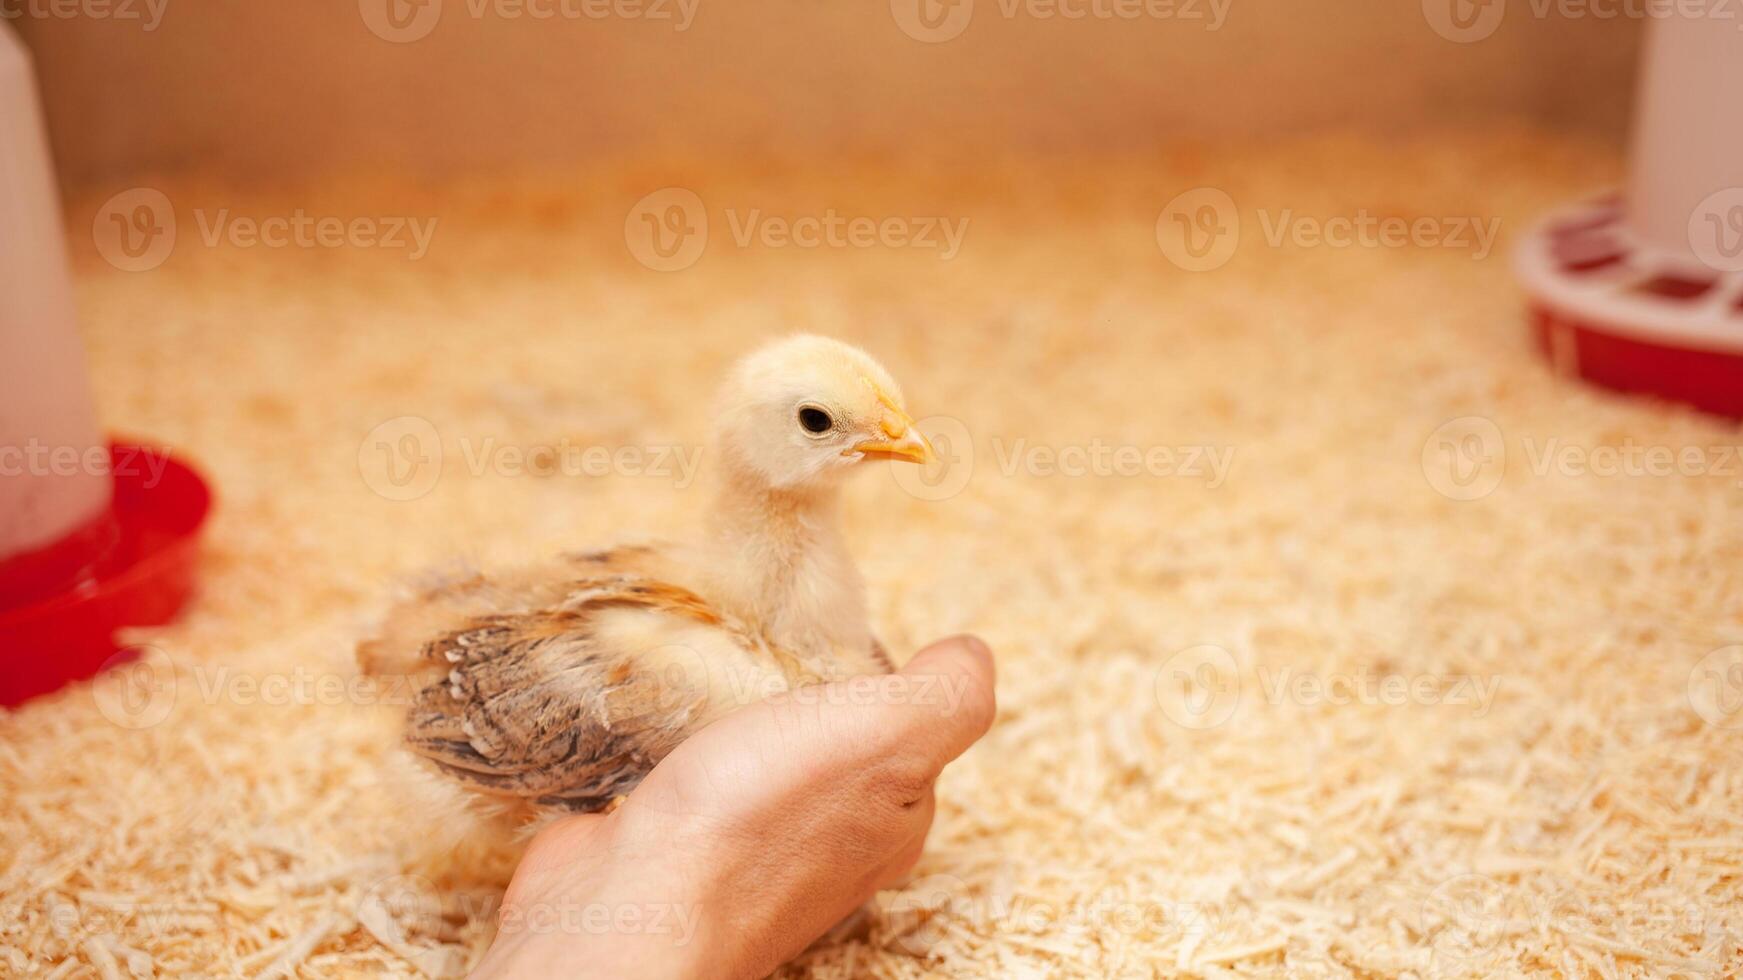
(285, 90)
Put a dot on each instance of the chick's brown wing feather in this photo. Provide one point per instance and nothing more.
(449, 600)
(570, 706)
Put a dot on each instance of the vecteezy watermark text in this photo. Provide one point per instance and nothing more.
(142, 686)
(676, 675)
(668, 230)
(1202, 687)
(957, 454)
(36, 458)
(1365, 230)
(937, 21)
(1200, 229)
(148, 13)
(1468, 21)
(834, 230)
(403, 459)
(405, 21)
(673, 919)
(302, 230)
(566, 458)
(1379, 689)
(1102, 459)
(137, 230)
(1466, 458)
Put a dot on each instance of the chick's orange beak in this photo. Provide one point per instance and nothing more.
(901, 439)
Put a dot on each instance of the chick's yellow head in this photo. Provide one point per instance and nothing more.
(809, 408)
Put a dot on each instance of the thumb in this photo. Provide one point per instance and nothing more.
(946, 699)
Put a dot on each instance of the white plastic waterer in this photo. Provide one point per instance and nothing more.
(52, 500)
(93, 538)
(1645, 292)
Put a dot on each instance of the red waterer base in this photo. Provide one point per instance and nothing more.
(1711, 381)
(1620, 312)
(134, 567)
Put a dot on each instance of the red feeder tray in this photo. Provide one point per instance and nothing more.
(1616, 310)
(60, 606)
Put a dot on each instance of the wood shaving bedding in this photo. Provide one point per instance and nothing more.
(1583, 822)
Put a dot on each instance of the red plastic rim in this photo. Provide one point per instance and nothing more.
(144, 578)
(1626, 313)
(1710, 380)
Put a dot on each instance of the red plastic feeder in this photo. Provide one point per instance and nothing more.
(1644, 292)
(135, 566)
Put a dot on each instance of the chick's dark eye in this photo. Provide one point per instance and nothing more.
(815, 420)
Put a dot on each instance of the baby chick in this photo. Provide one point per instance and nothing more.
(557, 688)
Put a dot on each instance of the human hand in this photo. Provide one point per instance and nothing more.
(754, 836)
